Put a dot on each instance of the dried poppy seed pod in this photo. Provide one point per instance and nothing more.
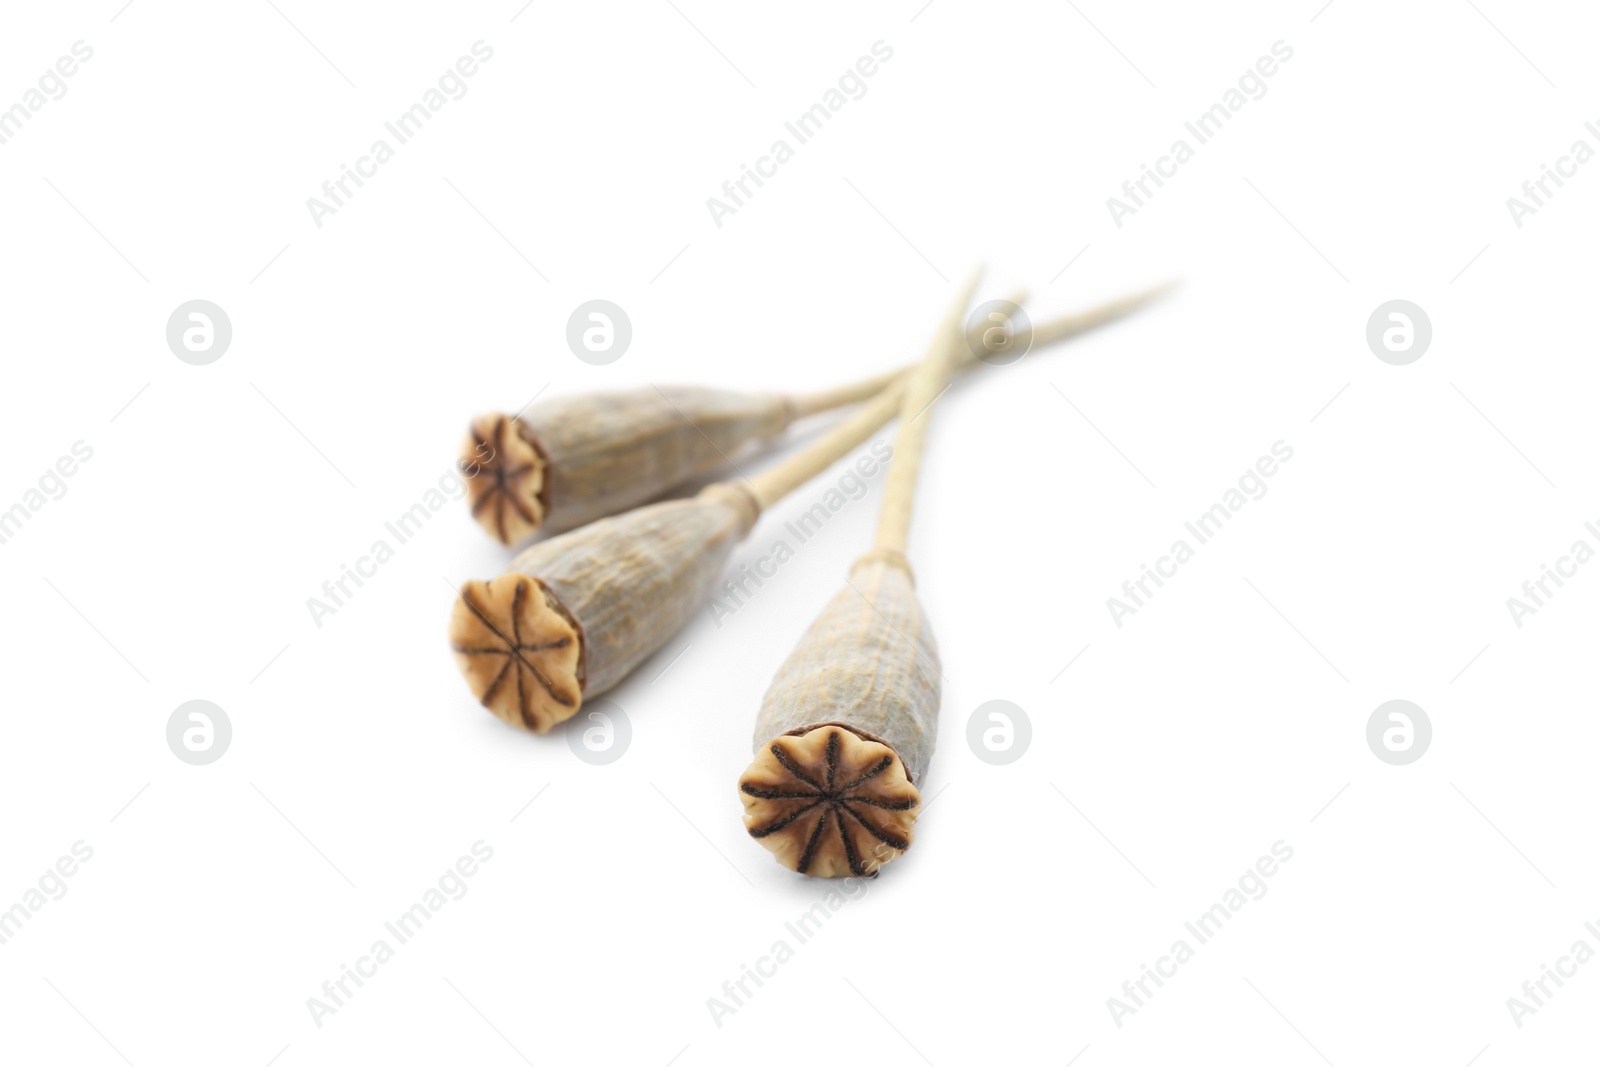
(571, 460)
(847, 729)
(579, 612)
(619, 588)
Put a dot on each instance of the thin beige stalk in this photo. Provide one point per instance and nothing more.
(1045, 333)
(781, 479)
(803, 404)
(1063, 326)
(927, 383)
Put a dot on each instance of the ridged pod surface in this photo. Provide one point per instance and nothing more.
(847, 729)
(573, 459)
(623, 585)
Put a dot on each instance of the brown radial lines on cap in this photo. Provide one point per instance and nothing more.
(505, 476)
(829, 802)
(520, 650)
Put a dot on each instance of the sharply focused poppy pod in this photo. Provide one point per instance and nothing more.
(847, 728)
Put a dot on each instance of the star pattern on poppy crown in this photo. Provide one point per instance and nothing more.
(829, 802)
(521, 652)
(505, 475)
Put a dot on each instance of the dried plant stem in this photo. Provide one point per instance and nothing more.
(778, 481)
(1064, 326)
(803, 404)
(926, 384)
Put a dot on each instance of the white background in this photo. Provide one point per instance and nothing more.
(1228, 714)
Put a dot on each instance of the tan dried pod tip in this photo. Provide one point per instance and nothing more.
(626, 584)
(847, 728)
